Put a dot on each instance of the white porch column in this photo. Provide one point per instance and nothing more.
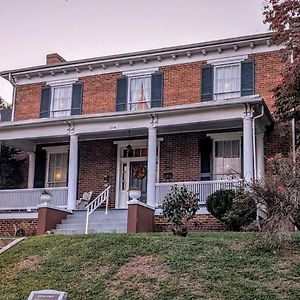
(151, 174)
(260, 157)
(248, 146)
(73, 172)
(31, 168)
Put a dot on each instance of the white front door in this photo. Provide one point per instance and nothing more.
(133, 175)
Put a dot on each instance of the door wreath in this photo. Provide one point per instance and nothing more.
(139, 172)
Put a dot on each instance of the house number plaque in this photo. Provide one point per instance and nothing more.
(47, 295)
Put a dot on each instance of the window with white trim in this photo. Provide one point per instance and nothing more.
(227, 81)
(227, 159)
(139, 92)
(61, 100)
(57, 166)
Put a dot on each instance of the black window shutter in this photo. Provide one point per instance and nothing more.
(247, 78)
(122, 91)
(76, 99)
(45, 102)
(6, 115)
(207, 83)
(157, 90)
(40, 168)
(205, 158)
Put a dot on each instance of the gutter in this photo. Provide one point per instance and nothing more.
(11, 80)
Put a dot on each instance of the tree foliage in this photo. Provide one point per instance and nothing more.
(283, 17)
(11, 174)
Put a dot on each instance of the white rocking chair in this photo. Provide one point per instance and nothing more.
(84, 200)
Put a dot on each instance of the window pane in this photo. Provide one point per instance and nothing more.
(227, 161)
(58, 168)
(62, 101)
(227, 81)
(140, 93)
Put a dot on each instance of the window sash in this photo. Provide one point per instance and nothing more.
(57, 169)
(139, 92)
(227, 159)
(61, 101)
(227, 81)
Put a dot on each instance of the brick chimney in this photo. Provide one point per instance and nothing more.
(54, 58)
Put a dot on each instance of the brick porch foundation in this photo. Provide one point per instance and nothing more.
(8, 227)
(199, 223)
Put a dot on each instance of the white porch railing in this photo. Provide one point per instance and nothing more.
(99, 200)
(203, 188)
(27, 199)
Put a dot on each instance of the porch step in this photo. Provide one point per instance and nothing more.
(115, 221)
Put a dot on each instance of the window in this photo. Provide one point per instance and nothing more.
(139, 93)
(57, 166)
(227, 159)
(227, 81)
(61, 101)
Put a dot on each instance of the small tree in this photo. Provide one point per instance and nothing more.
(179, 207)
(11, 174)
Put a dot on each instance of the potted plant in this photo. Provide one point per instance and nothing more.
(46, 196)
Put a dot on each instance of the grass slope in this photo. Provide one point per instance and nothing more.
(151, 266)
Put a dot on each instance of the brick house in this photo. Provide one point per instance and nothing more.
(197, 115)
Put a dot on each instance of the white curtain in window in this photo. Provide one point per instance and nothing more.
(140, 93)
(57, 172)
(227, 160)
(227, 82)
(62, 101)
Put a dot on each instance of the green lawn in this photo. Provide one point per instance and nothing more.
(151, 266)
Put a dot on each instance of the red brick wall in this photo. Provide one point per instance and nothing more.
(99, 93)
(28, 101)
(179, 154)
(182, 83)
(199, 223)
(97, 159)
(268, 68)
(7, 227)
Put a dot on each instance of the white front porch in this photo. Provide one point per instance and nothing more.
(231, 121)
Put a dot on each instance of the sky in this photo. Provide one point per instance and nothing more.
(78, 29)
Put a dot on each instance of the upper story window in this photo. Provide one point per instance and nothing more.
(138, 90)
(60, 99)
(227, 79)
(139, 93)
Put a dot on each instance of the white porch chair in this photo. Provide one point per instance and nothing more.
(84, 200)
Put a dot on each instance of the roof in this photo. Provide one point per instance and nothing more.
(154, 54)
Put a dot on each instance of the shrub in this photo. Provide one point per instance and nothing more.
(235, 212)
(220, 202)
(179, 207)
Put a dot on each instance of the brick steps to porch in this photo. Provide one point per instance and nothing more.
(115, 221)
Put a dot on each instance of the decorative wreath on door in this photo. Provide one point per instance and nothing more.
(139, 172)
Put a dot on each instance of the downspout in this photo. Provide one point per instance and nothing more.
(11, 80)
(254, 141)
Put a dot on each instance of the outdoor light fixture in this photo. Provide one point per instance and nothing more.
(129, 148)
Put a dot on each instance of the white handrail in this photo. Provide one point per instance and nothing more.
(91, 207)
